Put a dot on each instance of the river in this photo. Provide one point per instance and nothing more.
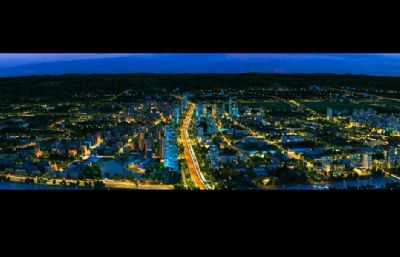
(117, 167)
(376, 182)
(23, 186)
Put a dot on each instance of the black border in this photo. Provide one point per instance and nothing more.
(264, 35)
(236, 208)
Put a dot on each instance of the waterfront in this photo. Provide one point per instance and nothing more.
(118, 167)
(376, 183)
(23, 186)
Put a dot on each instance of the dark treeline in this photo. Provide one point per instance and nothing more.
(67, 85)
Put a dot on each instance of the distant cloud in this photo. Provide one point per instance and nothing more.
(16, 59)
(389, 54)
(283, 56)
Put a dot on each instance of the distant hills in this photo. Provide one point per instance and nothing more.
(202, 63)
(131, 64)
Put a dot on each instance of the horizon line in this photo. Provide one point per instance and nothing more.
(198, 73)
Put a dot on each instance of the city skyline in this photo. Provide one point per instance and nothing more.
(200, 132)
(19, 64)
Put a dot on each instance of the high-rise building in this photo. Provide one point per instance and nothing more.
(160, 148)
(214, 110)
(204, 108)
(171, 149)
(198, 111)
(222, 109)
(329, 113)
(213, 154)
(235, 111)
(141, 144)
(367, 161)
(158, 134)
(230, 106)
(176, 115)
(184, 102)
(149, 153)
(200, 131)
(211, 128)
(149, 143)
(392, 157)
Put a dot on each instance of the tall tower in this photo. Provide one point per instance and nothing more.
(392, 157)
(141, 141)
(198, 111)
(149, 143)
(171, 149)
(184, 102)
(329, 113)
(230, 106)
(214, 110)
(222, 110)
(204, 106)
(367, 161)
(176, 115)
(160, 148)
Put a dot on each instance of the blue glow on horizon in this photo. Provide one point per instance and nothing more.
(341, 63)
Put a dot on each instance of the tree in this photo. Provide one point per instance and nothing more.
(93, 172)
(98, 184)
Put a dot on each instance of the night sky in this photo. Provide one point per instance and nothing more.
(38, 64)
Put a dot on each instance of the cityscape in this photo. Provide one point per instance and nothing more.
(184, 131)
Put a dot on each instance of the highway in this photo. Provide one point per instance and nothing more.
(391, 175)
(190, 157)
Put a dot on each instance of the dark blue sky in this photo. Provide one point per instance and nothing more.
(37, 64)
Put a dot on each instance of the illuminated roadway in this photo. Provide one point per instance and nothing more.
(391, 175)
(190, 157)
(229, 142)
(291, 154)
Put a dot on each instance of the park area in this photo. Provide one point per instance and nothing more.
(382, 106)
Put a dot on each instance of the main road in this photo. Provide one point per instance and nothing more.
(193, 165)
